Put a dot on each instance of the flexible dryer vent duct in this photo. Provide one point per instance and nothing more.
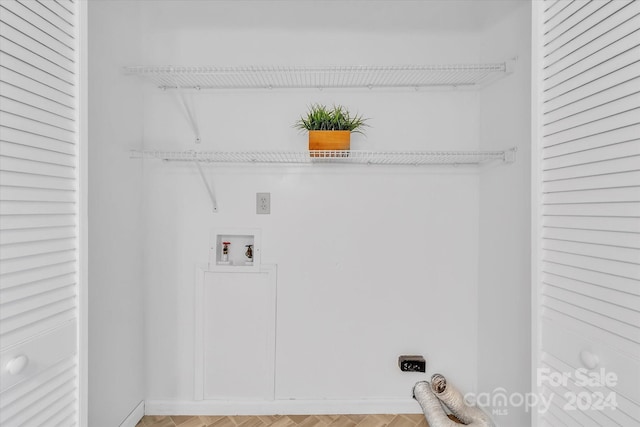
(432, 396)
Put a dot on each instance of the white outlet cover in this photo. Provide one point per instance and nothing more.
(263, 203)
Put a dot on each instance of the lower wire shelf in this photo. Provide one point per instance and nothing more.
(415, 158)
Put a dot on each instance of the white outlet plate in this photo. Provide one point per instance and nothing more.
(263, 203)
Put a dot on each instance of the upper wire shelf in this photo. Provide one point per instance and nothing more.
(342, 157)
(354, 76)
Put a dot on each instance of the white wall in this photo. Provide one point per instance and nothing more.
(504, 350)
(116, 302)
(372, 262)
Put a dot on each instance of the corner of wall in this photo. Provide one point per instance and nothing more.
(504, 266)
(115, 312)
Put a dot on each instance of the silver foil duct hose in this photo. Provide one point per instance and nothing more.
(431, 406)
(431, 397)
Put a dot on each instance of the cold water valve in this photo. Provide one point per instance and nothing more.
(249, 253)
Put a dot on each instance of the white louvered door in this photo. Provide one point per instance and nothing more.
(587, 176)
(38, 213)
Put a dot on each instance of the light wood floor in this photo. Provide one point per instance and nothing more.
(402, 420)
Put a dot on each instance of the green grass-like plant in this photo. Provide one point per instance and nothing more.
(321, 117)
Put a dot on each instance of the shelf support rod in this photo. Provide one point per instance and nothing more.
(510, 155)
(207, 186)
(191, 116)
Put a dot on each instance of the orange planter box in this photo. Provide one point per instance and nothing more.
(334, 140)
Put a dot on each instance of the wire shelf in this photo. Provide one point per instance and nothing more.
(354, 76)
(337, 157)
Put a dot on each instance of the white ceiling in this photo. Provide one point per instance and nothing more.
(359, 15)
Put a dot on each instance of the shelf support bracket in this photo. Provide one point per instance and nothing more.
(510, 155)
(190, 113)
(207, 186)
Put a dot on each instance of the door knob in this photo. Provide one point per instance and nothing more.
(589, 360)
(17, 364)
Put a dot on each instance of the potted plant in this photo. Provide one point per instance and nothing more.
(330, 128)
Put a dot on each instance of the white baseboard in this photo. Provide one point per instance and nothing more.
(283, 407)
(135, 416)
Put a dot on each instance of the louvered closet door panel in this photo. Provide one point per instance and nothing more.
(589, 92)
(38, 212)
(589, 171)
(596, 182)
(607, 23)
(618, 91)
(33, 80)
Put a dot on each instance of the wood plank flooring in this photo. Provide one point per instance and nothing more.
(398, 420)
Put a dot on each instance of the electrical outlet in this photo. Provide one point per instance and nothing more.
(263, 203)
(412, 363)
